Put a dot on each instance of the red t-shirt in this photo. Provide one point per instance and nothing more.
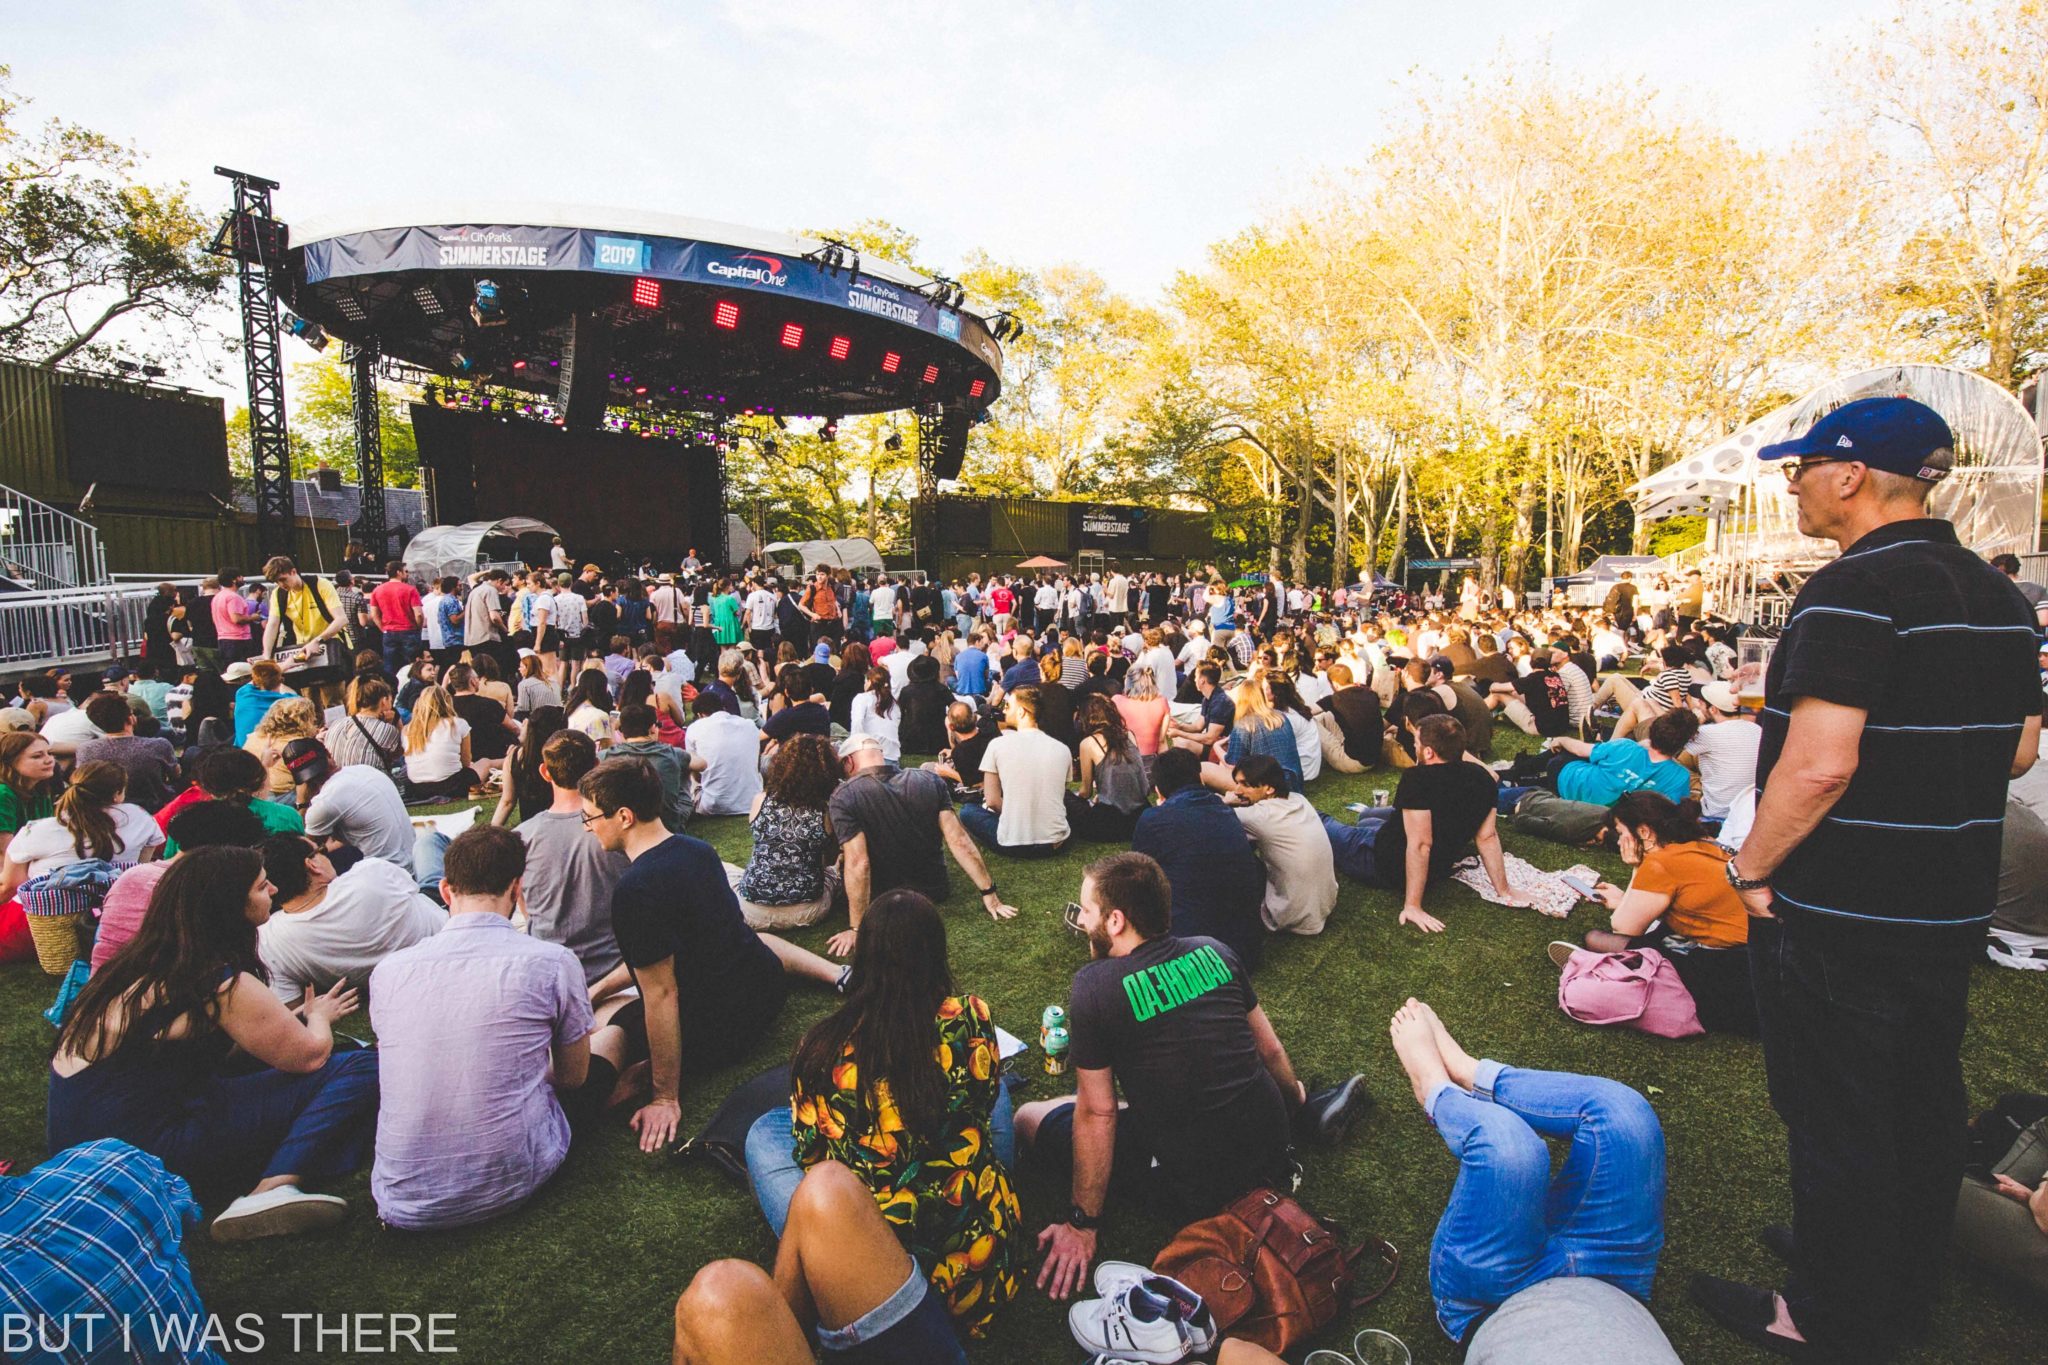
(398, 604)
(999, 597)
(191, 796)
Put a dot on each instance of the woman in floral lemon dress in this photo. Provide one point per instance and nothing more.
(902, 1085)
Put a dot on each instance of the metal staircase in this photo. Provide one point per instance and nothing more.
(48, 550)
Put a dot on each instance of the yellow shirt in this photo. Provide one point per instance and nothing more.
(300, 612)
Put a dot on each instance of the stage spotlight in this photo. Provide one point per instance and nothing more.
(154, 372)
(769, 450)
(895, 442)
(489, 308)
(977, 388)
(725, 314)
(462, 363)
(428, 300)
(830, 431)
(351, 307)
(792, 334)
(518, 364)
(931, 374)
(841, 348)
(891, 362)
(647, 293)
(306, 330)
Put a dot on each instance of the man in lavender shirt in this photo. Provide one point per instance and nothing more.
(483, 1035)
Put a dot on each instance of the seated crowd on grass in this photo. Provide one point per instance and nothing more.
(578, 958)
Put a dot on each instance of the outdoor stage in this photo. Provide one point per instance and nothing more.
(552, 341)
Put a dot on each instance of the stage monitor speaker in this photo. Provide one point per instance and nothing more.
(586, 378)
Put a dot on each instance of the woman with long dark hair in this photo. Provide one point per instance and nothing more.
(590, 706)
(639, 689)
(783, 885)
(525, 780)
(1678, 901)
(1114, 790)
(1301, 721)
(854, 662)
(92, 820)
(903, 1086)
(143, 1056)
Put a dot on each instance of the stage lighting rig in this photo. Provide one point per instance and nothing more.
(835, 256)
(894, 443)
(306, 330)
(1004, 326)
(488, 310)
(829, 431)
(944, 292)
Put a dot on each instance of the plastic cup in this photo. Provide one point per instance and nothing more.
(1374, 1347)
(1326, 1358)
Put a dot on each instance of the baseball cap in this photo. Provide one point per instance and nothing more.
(118, 673)
(15, 718)
(237, 671)
(1897, 435)
(853, 744)
(309, 761)
(1718, 695)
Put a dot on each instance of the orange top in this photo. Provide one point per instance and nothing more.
(1704, 907)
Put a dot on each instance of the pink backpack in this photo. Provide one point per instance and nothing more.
(1639, 988)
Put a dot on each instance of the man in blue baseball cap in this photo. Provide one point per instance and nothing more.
(1870, 875)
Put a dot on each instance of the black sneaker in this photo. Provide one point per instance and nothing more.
(1748, 1312)
(1328, 1114)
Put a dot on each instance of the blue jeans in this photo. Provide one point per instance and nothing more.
(1352, 844)
(983, 824)
(399, 647)
(773, 1171)
(429, 856)
(1509, 1223)
(910, 1327)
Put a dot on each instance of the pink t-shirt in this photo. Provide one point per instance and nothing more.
(226, 603)
(882, 647)
(1144, 719)
(121, 914)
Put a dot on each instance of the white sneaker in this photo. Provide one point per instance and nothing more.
(1155, 1320)
(1114, 1277)
(277, 1213)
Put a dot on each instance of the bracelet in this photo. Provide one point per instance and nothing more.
(988, 890)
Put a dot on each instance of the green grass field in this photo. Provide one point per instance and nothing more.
(590, 1269)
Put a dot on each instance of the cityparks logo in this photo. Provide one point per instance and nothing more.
(766, 270)
(480, 246)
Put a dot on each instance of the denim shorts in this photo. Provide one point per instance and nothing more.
(910, 1327)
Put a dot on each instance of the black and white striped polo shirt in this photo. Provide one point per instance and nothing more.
(1939, 648)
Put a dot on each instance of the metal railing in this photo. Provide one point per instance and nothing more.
(46, 548)
(71, 626)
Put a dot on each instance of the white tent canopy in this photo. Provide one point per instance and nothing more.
(856, 552)
(440, 551)
(1993, 496)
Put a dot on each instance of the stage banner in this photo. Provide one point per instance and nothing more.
(487, 247)
(1108, 527)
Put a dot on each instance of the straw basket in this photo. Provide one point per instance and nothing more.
(57, 940)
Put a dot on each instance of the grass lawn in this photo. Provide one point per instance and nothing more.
(590, 1269)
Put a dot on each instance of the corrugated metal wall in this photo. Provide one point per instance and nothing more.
(144, 530)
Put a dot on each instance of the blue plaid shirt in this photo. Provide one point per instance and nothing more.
(98, 1229)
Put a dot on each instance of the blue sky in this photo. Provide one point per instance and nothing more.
(1125, 137)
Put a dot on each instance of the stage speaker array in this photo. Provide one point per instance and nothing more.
(586, 372)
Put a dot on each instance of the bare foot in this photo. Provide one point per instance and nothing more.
(1460, 1064)
(635, 1083)
(1415, 1045)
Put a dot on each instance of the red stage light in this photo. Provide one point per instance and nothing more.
(931, 374)
(890, 362)
(977, 388)
(726, 315)
(647, 293)
(841, 346)
(792, 334)
(518, 364)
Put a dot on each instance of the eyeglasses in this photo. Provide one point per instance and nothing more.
(1794, 468)
(600, 815)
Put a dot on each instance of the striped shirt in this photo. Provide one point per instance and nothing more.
(1938, 648)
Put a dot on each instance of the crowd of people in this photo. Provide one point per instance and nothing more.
(229, 827)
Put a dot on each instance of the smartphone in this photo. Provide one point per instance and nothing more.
(1583, 888)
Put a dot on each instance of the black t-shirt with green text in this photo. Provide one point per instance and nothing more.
(1171, 1019)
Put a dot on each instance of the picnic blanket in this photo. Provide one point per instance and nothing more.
(1545, 890)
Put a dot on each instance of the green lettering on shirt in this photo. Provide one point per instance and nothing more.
(1169, 985)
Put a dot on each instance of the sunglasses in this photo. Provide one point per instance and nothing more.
(1071, 917)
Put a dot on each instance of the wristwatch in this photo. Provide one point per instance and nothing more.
(987, 891)
(1742, 883)
(1082, 1222)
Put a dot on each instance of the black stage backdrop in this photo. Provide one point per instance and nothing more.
(602, 490)
(147, 440)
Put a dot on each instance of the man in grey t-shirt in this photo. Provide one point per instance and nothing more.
(361, 807)
(569, 876)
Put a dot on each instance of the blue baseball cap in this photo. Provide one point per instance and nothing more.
(1897, 435)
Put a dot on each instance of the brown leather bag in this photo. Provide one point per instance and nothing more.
(1270, 1271)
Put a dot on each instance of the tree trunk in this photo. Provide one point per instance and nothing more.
(1305, 506)
(1340, 554)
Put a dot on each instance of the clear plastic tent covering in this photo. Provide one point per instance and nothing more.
(440, 551)
(857, 552)
(1993, 496)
